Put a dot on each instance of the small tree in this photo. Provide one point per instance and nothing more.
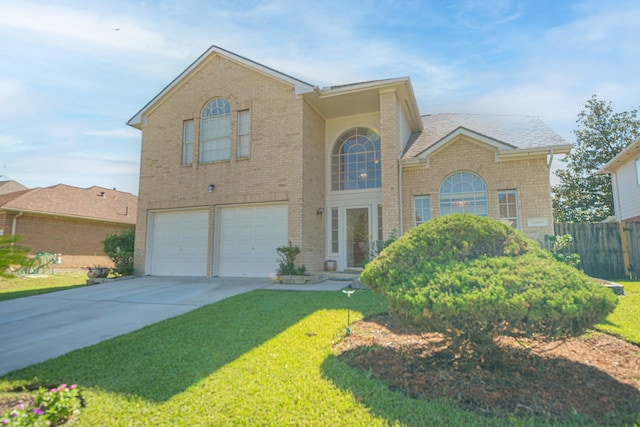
(119, 248)
(287, 261)
(475, 279)
(10, 254)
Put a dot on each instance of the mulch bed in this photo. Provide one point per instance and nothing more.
(597, 375)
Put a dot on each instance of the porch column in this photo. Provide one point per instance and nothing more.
(390, 148)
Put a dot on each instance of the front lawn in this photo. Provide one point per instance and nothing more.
(262, 358)
(623, 322)
(24, 286)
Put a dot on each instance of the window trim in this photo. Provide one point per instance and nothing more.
(515, 218)
(356, 154)
(243, 139)
(421, 198)
(210, 119)
(187, 143)
(475, 199)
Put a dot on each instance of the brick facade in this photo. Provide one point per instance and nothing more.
(294, 127)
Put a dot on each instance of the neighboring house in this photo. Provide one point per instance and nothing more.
(67, 220)
(625, 179)
(238, 159)
(11, 186)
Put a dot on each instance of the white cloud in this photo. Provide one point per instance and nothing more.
(81, 28)
(115, 133)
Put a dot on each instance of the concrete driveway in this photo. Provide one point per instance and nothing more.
(41, 327)
(38, 328)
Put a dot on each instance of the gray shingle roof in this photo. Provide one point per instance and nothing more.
(520, 132)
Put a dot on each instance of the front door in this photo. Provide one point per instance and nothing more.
(357, 236)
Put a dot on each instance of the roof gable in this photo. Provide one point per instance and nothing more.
(631, 152)
(95, 203)
(299, 85)
(505, 133)
(461, 131)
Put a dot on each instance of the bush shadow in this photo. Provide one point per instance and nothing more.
(166, 358)
(519, 383)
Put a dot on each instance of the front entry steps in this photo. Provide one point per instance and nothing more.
(347, 276)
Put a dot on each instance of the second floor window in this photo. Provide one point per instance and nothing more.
(187, 142)
(463, 192)
(244, 125)
(355, 161)
(215, 131)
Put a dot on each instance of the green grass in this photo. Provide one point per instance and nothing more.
(24, 286)
(623, 322)
(262, 358)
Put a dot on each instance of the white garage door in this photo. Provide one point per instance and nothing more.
(178, 243)
(248, 239)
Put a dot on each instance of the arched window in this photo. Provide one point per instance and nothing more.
(463, 192)
(355, 160)
(215, 131)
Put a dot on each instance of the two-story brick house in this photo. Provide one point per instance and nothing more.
(238, 159)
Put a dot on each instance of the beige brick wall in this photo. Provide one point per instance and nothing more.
(273, 173)
(79, 241)
(313, 192)
(530, 177)
(390, 149)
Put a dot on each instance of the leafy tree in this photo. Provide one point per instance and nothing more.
(583, 195)
(119, 248)
(475, 279)
(10, 254)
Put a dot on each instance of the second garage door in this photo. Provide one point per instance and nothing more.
(248, 238)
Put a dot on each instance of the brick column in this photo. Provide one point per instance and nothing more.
(390, 147)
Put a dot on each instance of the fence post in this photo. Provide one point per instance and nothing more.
(625, 249)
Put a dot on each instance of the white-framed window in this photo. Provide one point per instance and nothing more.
(638, 169)
(334, 230)
(187, 142)
(215, 131)
(463, 192)
(421, 209)
(355, 160)
(508, 207)
(244, 126)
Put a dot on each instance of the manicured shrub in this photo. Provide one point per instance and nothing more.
(119, 248)
(474, 279)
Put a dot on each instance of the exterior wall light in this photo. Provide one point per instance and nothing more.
(211, 187)
(320, 211)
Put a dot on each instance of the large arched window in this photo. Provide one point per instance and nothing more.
(215, 131)
(463, 192)
(355, 160)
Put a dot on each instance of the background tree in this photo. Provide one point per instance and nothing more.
(583, 195)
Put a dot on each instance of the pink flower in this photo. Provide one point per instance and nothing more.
(73, 386)
(53, 390)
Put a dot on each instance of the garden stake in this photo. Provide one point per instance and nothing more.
(348, 310)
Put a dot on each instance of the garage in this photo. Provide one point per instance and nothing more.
(178, 243)
(248, 238)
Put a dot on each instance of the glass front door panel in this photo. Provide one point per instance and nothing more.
(357, 236)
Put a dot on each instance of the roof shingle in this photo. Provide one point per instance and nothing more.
(95, 203)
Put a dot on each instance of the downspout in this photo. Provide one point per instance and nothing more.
(14, 225)
(401, 231)
(550, 159)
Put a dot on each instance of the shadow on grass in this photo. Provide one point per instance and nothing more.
(31, 292)
(522, 389)
(164, 359)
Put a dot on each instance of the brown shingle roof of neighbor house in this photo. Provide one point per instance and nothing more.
(95, 203)
(518, 132)
(10, 186)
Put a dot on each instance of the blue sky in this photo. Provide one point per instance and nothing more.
(73, 72)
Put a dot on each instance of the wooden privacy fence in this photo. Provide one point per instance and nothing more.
(610, 250)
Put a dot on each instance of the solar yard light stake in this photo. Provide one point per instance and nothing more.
(348, 310)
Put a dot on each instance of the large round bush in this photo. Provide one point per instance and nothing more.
(474, 279)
